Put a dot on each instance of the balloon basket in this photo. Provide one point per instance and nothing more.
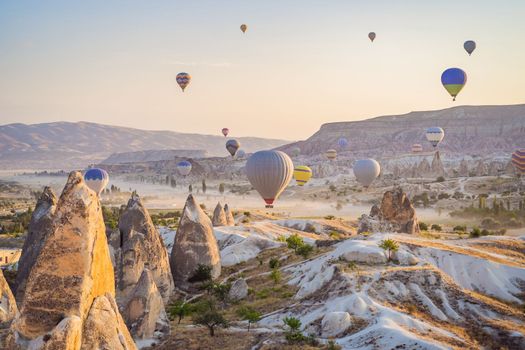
(269, 206)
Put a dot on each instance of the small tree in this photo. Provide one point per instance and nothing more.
(221, 188)
(436, 227)
(275, 275)
(294, 242)
(204, 186)
(250, 315)
(179, 310)
(293, 334)
(423, 226)
(389, 245)
(305, 250)
(201, 274)
(274, 263)
(221, 291)
(210, 317)
(190, 188)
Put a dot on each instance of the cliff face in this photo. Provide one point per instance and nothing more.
(474, 130)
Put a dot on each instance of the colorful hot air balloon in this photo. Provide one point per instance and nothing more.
(331, 154)
(302, 174)
(435, 135)
(454, 79)
(232, 146)
(225, 131)
(244, 27)
(295, 152)
(366, 170)
(183, 79)
(240, 154)
(269, 172)
(342, 142)
(184, 167)
(518, 159)
(96, 179)
(469, 46)
(417, 148)
(371, 36)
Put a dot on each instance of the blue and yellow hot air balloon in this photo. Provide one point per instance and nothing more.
(96, 179)
(454, 79)
(302, 174)
(518, 159)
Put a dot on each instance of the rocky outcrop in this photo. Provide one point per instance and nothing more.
(39, 229)
(8, 307)
(194, 244)
(395, 214)
(463, 168)
(144, 312)
(335, 323)
(69, 297)
(423, 169)
(141, 247)
(219, 216)
(238, 290)
(437, 168)
(481, 169)
(230, 221)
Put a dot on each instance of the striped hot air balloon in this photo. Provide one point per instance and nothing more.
(96, 179)
(417, 148)
(183, 79)
(184, 167)
(435, 135)
(454, 79)
(518, 159)
(269, 172)
(302, 174)
(331, 154)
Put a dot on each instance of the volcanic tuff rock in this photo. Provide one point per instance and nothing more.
(40, 227)
(396, 213)
(238, 290)
(437, 168)
(8, 307)
(219, 216)
(144, 312)
(194, 244)
(335, 323)
(69, 297)
(141, 247)
(230, 221)
(463, 168)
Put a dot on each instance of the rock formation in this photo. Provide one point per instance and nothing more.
(335, 323)
(395, 214)
(463, 168)
(481, 169)
(238, 290)
(423, 169)
(230, 221)
(194, 244)
(39, 229)
(437, 168)
(144, 312)
(141, 246)
(69, 296)
(8, 307)
(219, 216)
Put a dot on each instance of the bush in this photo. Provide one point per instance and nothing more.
(490, 223)
(423, 226)
(305, 250)
(443, 196)
(201, 274)
(436, 227)
(294, 242)
(460, 228)
(274, 263)
(275, 275)
(440, 179)
(475, 232)
(329, 217)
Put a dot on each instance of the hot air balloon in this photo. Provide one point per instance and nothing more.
(232, 146)
(371, 36)
(240, 154)
(454, 79)
(342, 142)
(244, 27)
(331, 154)
(518, 159)
(416, 148)
(302, 174)
(183, 79)
(470, 46)
(269, 172)
(184, 167)
(435, 135)
(96, 179)
(295, 152)
(225, 131)
(366, 170)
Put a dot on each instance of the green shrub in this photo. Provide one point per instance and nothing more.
(423, 226)
(440, 179)
(274, 263)
(436, 227)
(305, 250)
(460, 228)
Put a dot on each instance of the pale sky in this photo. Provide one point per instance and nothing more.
(301, 63)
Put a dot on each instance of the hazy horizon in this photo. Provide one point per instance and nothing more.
(299, 65)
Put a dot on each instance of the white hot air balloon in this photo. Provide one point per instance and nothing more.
(96, 179)
(184, 167)
(240, 154)
(366, 171)
(269, 172)
(435, 135)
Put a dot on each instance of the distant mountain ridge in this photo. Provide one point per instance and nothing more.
(75, 145)
(469, 130)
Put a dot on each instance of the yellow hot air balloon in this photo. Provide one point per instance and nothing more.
(302, 174)
(244, 27)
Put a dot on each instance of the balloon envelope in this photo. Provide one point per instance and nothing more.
(331, 154)
(342, 142)
(232, 146)
(518, 159)
(371, 36)
(454, 79)
(96, 179)
(435, 135)
(416, 148)
(225, 131)
(269, 172)
(366, 170)
(183, 79)
(469, 46)
(184, 167)
(240, 154)
(302, 174)
(244, 27)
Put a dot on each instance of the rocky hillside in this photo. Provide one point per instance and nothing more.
(469, 130)
(73, 145)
